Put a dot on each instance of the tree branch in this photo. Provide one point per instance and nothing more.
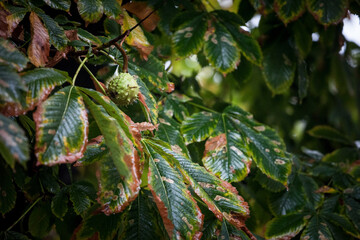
(112, 41)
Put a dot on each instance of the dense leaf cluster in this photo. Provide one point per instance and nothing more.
(182, 161)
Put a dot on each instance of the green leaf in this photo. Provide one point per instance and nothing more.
(289, 10)
(303, 80)
(226, 155)
(142, 221)
(10, 55)
(152, 72)
(329, 133)
(179, 211)
(242, 73)
(342, 222)
(303, 39)
(115, 137)
(328, 12)
(228, 232)
(48, 180)
(59, 203)
(90, 10)
(40, 220)
(199, 126)
(56, 33)
(227, 16)
(310, 186)
(61, 128)
(189, 37)
(220, 196)
(268, 183)
(112, 28)
(316, 229)
(59, 4)
(168, 133)
(11, 235)
(264, 145)
(279, 66)
(148, 102)
(112, 110)
(106, 226)
(117, 191)
(211, 225)
(352, 210)
(220, 48)
(81, 196)
(248, 46)
(112, 8)
(175, 107)
(287, 226)
(40, 83)
(95, 151)
(12, 88)
(288, 201)
(7, 190)
(13, 142)
(342, 155)
(263, 6)
(88, 37)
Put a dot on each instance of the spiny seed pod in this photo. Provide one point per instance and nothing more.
(122, 89)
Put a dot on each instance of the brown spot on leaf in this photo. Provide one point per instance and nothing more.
(39, 47)
(279, 162)
(277, 150)
(276, 142)
(177, 149)
(51, 131)
(218, 198)
(259, 128)
(188, 35)
(215, 143)
(165, 179)
(206, 185)
(170, 87)
(187, 223)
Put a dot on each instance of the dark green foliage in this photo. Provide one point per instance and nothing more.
(184, 158)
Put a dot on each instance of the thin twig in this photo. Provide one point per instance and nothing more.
(113, 41)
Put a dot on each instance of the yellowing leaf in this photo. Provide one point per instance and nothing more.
(136, 38)
(141, 10)
(39, 48)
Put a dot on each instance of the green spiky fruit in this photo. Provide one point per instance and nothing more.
(123, 89)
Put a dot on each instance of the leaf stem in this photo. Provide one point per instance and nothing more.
(23, 215)
(70, 172)
(110, 57)
(202, 107)
(78, 70)
(95, 79)
(125, 58)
